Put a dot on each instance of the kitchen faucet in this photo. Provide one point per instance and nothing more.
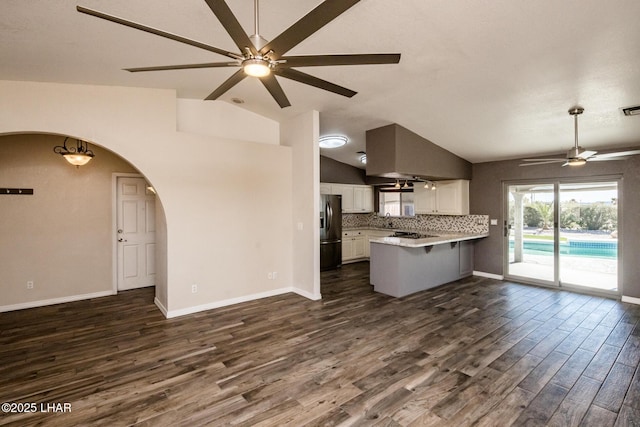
(389, 222)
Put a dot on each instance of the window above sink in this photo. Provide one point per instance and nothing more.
(396, 204)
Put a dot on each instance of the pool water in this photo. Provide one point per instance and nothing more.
(590, 248)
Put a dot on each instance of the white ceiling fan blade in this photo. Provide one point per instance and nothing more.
(605, 159)
(616, 154)
(586, 154)
(548, 159)
(541, 162)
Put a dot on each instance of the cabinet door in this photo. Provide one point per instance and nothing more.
(347, 197)
(368, 200)
(424, 200)
(359, 247)
(325, 188)
(453, 197)
(347, 248)
(358, 199)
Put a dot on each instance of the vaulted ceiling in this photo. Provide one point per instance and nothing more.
(487, 80)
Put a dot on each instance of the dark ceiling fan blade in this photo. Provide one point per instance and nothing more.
(183, 67)
(611, 156)
(236, 78)
(157, 32)
(326, 12)
(301, 77)
(275, 90)
(231, 24)
(322, 60)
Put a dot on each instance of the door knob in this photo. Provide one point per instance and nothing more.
(122, 240)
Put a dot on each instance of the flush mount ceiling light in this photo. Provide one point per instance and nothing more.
(363, 157)
(333, 141)
(79, 155)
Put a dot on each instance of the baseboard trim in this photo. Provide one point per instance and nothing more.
(488, 275)
(631, 300)
(231, 301)
(160, 306)
(54, 301)
(307, 294)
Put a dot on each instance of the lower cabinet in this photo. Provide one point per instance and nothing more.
(399, 270)
(354, 245)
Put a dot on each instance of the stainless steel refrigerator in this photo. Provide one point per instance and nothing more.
(330, 231)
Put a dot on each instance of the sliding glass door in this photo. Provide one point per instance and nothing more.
(530, 232)
(562, 233)
(589, 235)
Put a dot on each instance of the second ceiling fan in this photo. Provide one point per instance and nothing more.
(577, 155)
(260, 58)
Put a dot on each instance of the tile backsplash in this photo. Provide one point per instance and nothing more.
(454, 223)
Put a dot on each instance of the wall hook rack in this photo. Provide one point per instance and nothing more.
(18, 191)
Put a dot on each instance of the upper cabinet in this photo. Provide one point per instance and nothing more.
(355, 198)
(449, 198)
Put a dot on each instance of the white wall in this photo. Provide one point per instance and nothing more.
(224, 120)
(228, 203)
(301, 134)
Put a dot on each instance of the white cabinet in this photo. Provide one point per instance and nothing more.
(354, 245)
(355, 198)
(449, 198)
(325, 188)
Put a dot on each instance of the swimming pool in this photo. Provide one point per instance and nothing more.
(590, 248)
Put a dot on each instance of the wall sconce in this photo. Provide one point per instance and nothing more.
(79, 155)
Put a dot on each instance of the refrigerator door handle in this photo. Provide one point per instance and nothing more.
(329, 216)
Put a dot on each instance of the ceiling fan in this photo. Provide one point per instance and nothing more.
(577, 155)
(261, 58)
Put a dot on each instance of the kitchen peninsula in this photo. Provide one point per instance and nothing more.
(401, 266)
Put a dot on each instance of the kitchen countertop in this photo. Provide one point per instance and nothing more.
(440, 238)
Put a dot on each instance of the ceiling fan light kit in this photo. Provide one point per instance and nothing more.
(578, 156)
(261, 58)
(256, 67)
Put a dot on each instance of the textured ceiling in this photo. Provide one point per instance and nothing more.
(487, 80)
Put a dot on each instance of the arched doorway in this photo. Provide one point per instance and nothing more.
(58, 243)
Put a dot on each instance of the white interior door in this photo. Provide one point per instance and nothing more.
(136, 233)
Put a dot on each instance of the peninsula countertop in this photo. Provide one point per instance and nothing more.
(436, 238)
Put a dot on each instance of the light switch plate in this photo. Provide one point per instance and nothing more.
(494, 222)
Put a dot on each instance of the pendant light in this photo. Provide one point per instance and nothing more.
(78, 156)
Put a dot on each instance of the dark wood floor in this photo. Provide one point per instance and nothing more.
(475, 352)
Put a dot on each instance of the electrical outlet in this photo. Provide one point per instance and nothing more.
(275, 275)
(30, 284)
(194, 288)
